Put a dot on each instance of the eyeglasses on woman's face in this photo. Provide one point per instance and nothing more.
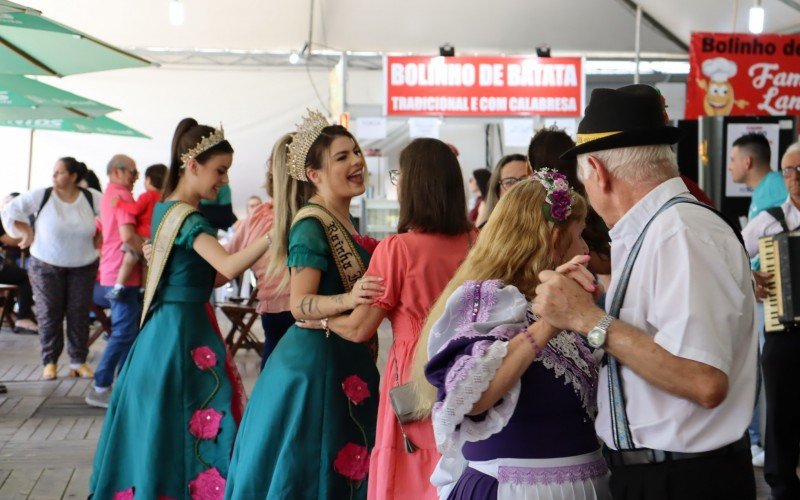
(790, 170)
(394, 176)
(509, 182)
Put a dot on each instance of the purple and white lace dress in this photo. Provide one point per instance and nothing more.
(538, 441)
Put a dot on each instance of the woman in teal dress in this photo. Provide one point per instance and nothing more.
(310, 422)
(175, 408)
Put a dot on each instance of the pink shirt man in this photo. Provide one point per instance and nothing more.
(111, 219)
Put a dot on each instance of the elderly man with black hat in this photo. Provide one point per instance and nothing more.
(678, 383)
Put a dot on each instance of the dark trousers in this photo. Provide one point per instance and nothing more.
(125, 314)
(275, 326)
(60, 292)
(724, 477)
(11, 274)
(781, 364)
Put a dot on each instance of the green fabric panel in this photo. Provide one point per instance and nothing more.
(99, 125)
(64, 50)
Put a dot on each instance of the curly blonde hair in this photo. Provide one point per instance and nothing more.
(514, 247)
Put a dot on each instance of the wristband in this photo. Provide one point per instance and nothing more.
(533, 343)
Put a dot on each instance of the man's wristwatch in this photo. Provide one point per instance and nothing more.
(597, 335)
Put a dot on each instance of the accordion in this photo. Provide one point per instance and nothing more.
(780, 256)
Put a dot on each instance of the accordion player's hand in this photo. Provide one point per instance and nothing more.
(763, 280)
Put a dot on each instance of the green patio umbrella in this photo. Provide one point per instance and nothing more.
(6, 6)
(31, 44)
(97, 125)
(24, 98)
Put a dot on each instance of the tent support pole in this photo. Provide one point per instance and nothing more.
(638, 41)
(30, 159)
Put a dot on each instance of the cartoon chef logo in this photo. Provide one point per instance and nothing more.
(719, 100)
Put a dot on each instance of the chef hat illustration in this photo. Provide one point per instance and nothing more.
(719, 69)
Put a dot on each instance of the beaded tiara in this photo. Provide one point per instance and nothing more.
(206, 143)
(302, 139)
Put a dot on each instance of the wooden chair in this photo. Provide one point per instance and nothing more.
(99, 307)
(103, 323)
(8, 296)
(242, 317)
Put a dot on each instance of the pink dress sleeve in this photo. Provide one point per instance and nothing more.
(390, 262)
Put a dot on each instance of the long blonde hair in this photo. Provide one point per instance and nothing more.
(288, 196)
(514, 247)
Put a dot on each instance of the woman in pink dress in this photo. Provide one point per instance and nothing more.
(416, 264)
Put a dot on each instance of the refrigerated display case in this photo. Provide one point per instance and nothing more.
(378, 218)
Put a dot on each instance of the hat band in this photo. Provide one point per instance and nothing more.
(584, 138)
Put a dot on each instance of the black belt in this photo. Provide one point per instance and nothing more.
(616, 458)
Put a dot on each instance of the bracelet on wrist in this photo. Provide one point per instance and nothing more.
(324, 322)
(535, 346)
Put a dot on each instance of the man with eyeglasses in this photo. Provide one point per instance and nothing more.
(119, 228)
(781, 350)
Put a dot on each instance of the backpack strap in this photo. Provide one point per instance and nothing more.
(88, 195)
(47, 193)
(778, 215)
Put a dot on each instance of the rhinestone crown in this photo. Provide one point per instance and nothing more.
(302, 139)
(206, 143)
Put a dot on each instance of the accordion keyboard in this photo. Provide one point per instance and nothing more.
(768, 251)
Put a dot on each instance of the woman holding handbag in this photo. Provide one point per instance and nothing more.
(416, 264)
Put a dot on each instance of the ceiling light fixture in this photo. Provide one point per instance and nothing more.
(176, 12)
(755, 21)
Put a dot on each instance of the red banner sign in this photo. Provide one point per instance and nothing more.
(484, 86)
(739, 74)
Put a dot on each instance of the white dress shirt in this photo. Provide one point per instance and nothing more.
(691, 289)
(64, 232)
(764, 224)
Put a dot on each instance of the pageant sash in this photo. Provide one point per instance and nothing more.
(348, 261)
(345, 254)
(162, 246)
(623, 439)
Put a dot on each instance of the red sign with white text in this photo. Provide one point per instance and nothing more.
(483, 86)
(741, 74)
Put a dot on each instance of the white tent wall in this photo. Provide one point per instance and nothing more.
(255, 107)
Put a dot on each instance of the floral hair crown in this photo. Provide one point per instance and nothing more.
(558, 202)
(302, 139)
(206, 143)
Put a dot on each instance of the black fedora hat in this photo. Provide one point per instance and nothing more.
(619, 118)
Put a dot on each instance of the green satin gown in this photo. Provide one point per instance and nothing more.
(172, 419)
(301, 437)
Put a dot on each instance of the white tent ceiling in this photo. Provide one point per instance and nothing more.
(504, 26)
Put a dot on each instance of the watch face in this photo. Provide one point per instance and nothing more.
(596, 337)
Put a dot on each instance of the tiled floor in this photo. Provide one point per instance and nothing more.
(47, 433)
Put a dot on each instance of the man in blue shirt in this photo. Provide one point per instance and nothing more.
(749, 165)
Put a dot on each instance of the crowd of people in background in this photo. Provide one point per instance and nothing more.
(519, 366)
